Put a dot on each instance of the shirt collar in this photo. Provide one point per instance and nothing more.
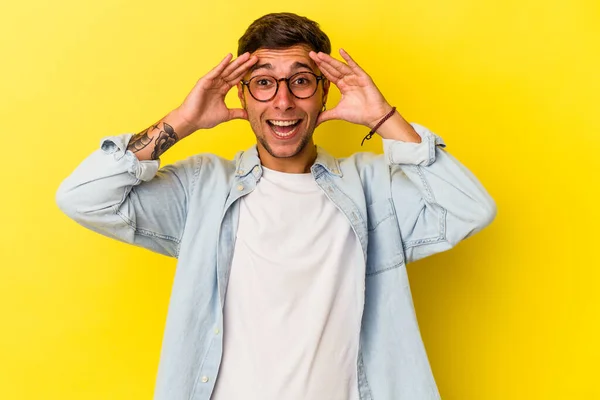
(248, 161)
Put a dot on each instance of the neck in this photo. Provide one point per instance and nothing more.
(298, 164)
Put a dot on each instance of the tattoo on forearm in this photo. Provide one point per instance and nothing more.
(164, 140)
(141, 140)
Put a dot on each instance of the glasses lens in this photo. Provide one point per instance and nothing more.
(262, 87)
(303, 84)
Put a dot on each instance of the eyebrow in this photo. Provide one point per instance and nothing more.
(297, 65)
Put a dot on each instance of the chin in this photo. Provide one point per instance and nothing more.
(285, 144)
(284, 151)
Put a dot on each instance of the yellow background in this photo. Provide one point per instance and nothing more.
(512, 86)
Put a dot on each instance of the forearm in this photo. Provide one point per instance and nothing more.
(152, 142)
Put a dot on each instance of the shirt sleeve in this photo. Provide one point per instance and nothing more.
(115, 194)
(398, 152)
(438, 201)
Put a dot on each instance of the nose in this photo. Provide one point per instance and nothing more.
(284, 99)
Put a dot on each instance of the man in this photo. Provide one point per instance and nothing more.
(291, 279)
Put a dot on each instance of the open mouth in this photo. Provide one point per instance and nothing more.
(284, 129)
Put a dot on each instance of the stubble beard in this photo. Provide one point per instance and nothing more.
(306, 138)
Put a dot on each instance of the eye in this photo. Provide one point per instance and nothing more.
(302, 80)
(263, 81)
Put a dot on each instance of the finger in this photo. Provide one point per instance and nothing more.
(216, 71)
(237, 113)
(330, 73)
(327, 115)
(351, 63)
(314, 57)
(235, 64)
(338, 65)
(322, 64)
(237, 74)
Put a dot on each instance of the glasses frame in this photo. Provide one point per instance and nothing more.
(287, 82)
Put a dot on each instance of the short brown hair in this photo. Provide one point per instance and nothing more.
(282, 30)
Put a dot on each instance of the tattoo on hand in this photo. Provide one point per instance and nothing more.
(164, 140)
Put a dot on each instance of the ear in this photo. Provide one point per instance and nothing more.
(326, 84)
(240, 89)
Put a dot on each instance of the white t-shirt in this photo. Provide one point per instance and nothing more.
(294, 299)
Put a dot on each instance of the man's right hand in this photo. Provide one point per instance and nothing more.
(203, 108)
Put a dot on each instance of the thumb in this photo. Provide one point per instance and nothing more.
(326, 115)
(238, 113)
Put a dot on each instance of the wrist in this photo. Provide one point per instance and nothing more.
(380, 113)
(397, 128)
(182, 126)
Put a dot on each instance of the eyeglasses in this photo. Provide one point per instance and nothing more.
(264, 87)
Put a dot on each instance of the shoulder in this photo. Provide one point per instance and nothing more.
(205, 163)
(201, 170)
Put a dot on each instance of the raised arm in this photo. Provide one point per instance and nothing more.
(119, 191)
(438, 201)
(203, 108)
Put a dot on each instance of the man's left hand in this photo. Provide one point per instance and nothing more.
(361, 102)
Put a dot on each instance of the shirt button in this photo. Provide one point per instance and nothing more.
(205, 379)
(240, 187)
(217, 331)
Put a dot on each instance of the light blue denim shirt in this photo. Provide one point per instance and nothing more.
(413, 201)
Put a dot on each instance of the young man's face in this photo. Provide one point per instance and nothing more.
(270, 120)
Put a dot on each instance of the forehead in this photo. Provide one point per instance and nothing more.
(283, 59)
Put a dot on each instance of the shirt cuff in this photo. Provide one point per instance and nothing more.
(399, 152)
(117, 147)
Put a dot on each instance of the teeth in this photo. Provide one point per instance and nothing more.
(283, 123)
(285, 134)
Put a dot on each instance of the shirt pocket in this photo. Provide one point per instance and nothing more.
(384, 251)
